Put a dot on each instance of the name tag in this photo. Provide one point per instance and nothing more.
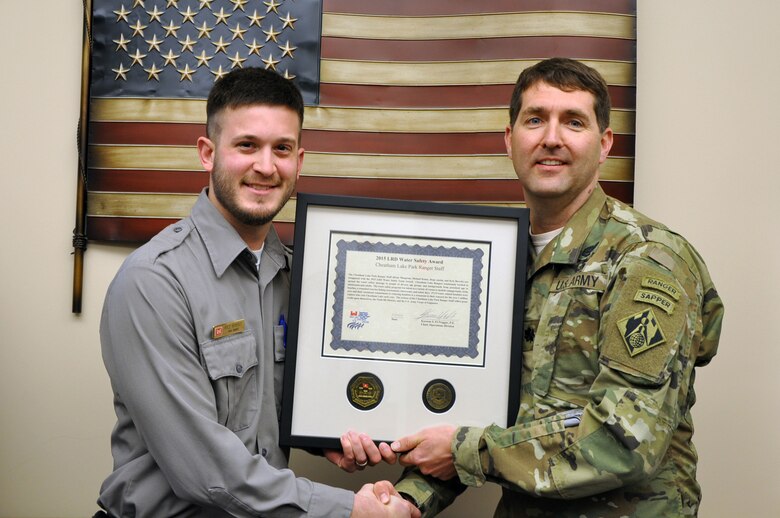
(227, 329)
(592, 281)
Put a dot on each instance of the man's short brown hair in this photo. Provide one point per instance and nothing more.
(567, 75)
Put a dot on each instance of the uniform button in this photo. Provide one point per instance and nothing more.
(239, 368)
(177, 229)
(264, 452)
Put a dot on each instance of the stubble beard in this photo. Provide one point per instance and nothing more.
(226, 193)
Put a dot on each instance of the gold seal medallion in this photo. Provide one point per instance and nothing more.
(365, 391)
(438, 396)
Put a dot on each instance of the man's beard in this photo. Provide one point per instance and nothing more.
(227, 194)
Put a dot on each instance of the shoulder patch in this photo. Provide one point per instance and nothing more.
(656, 299)
(641, 332)
(666, 286)
(643, 322)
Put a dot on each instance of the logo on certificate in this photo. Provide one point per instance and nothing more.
(357, 319)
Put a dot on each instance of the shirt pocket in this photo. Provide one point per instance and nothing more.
(546, 342)
(577, 353)
(232, 367)
(280, 343)
(280, 351)
(553, 425)
(531, 446)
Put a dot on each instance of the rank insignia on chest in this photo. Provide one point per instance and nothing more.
(641, 332)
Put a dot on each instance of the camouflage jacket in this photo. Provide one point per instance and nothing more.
(618, 312)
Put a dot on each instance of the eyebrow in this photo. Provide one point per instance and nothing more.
(539, 110)
(533, 110)
(249, 136)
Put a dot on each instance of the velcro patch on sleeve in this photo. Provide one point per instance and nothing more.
(642, 326)
(662, 257)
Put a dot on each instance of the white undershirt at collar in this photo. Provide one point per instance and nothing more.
(541, 240)
(258, 255)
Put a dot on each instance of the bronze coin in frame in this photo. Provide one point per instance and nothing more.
(438, 396)
(365, 391)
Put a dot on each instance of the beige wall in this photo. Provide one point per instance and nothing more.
(708, 131)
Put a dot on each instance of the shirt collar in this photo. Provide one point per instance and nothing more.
(566, 248)
(222, 241)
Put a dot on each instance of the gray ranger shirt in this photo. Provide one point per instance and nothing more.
(192, 343)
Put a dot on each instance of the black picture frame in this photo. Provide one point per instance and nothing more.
(330, 387)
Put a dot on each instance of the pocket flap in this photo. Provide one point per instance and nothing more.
(231, 356)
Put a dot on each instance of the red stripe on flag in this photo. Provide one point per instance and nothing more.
(441, 190)
(126, 180)
(478, 191)
(146, 133)
(425, 143)
(521, 47)
(340, 141)
(135, 230)
(125, 229)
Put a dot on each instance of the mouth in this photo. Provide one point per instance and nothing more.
(551, 161)
(259, 188)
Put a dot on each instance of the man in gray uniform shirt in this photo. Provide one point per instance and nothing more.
(191, 337)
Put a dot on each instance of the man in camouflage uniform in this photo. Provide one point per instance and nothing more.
(618, 312)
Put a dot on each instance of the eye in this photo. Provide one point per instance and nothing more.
(245, 145)
(533, 121)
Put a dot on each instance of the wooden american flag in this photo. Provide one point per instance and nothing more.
(406, 99)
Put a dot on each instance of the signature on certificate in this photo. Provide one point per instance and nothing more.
(441, 316)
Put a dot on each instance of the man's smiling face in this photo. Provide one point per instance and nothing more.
(555, 145)
(254, 161)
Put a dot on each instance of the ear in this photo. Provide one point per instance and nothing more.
(206, 153)
(301, 153)
(508, 140)
(606, 144)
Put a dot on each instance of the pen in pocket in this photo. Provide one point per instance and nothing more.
(283, 323)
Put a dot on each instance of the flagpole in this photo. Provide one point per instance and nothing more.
(79, 234)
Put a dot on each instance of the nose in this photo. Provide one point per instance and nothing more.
(264, 162)
(552, 135)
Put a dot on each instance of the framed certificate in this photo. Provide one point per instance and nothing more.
(402, 315)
